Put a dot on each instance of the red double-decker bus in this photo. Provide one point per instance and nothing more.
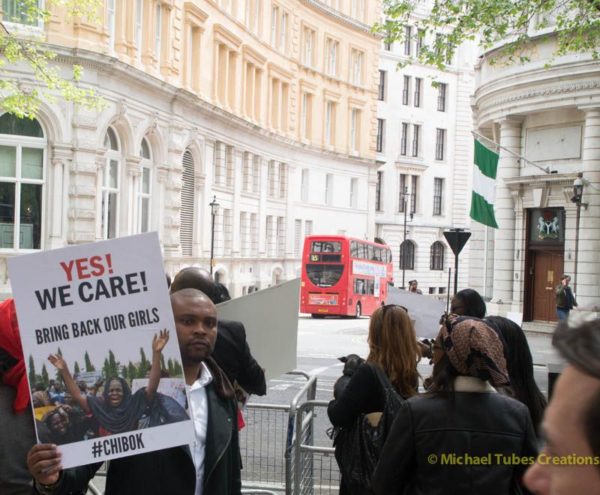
(344, 276)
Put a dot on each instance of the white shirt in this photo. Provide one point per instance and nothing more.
(199, 415)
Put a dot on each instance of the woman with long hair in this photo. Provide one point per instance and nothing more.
(392, 349)
(520, 367)
(462, 436)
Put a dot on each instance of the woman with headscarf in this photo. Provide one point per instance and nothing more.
(392, 349)
(118, 410)
(462, 436)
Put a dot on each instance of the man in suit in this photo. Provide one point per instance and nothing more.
(210, 465)
(232, 352)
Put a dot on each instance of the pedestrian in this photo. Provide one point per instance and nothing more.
(232, 352)
(565, 300)
(16, 419)
(570, 461)
(461, 436)
(393, 350)
(209, 465)
(519, 364)
(413, 286)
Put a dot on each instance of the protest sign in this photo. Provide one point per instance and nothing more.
(424, 310)
(101, 307)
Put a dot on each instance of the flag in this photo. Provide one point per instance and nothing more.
(484, 186)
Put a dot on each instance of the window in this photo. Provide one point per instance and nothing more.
(381, 89)
(441, 103)
(380, 135)
(186, 229)
(404, 139)
(329, 189)
(110, 186)
(407, 40)
(283, 31)
(416, 139)
(330, 123)
(306, 116)
(418, 89)
(272, 177)
(308, 227)
(145, 188)
(269, 236)
(402, 192)
(355, 130)
(420, 41)
(304, 185)
(387, 43)
(353, 192)
(357, 9)
(280, 231)
(413, 193)
(378, 191)
(438, 195)
(331, 52)
(16, 11)
(110, 22)
(158, 34)
(253, 14)
(282, 185)
(406, 90)
(356, 58)
(436, 258)
(440, 139)
(139, 22)
(297, 237)
(279, 104)
(309, 47)
(407, 255)
(274, 18)
(22, 152)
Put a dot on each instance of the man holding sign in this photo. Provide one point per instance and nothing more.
(210, 465)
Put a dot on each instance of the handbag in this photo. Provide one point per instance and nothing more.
(358, 447)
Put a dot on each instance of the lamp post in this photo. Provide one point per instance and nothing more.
(405, 196)
(577, 194)
(214, 208)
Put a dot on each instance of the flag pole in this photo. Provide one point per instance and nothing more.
(516, 155)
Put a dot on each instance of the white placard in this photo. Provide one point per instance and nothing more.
(424, 310)
(100, 305)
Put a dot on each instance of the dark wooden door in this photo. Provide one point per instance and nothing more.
(547, 270)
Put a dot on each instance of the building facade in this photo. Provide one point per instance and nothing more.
(424, 152)
(268, 106)
(546, 111)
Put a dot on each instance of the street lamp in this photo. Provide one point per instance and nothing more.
(214, 208)
(405, 197)
(576, 198)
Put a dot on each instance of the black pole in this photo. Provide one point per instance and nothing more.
(577, 220)
(212, 241)
(455, 273)
(448, 291)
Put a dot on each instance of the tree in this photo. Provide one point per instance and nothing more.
(32, 380)
(113, 365)
(144, 366)
(76, 368)
(45, 377)
(453, 22)
(88, 362)
(18, 48)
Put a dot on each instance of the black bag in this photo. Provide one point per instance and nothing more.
(357, 448)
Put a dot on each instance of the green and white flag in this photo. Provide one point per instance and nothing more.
(484, 186)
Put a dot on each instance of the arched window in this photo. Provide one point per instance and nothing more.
(186, 233)
(110, 186)
(145, 188)
(407, 255)
(436, 259)
(22, 158)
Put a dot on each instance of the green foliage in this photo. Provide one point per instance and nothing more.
(31, 375)
(26, 46)
(88, 363)
(76, 368)
(144, 366)
(45, 377)
(576, 23)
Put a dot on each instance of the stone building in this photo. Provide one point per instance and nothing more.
(547, 111)
(269, 106)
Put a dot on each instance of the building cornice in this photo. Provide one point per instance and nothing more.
(340, 18)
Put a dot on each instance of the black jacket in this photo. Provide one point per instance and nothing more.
(172, 471)
(233, 355)
(429, 430)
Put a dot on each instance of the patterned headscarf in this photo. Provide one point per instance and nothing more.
(474, 349)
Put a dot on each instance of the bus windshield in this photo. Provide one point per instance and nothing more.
(326, 247)
(324, 275)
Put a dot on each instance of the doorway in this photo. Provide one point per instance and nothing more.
(547, 270)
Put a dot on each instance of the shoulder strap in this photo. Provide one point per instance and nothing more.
(385, 382)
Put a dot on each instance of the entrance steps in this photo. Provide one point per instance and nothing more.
(546, 327)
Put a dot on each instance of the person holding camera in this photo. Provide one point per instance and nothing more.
(565, 300)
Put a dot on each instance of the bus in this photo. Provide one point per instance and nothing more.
(344, 276)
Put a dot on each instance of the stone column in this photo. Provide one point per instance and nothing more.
(588, 269)
(132, 164)
(504, 255)
(59, 202)
(262, 207)
(238, 177)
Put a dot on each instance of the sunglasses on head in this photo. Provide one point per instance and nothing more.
(388, 306)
